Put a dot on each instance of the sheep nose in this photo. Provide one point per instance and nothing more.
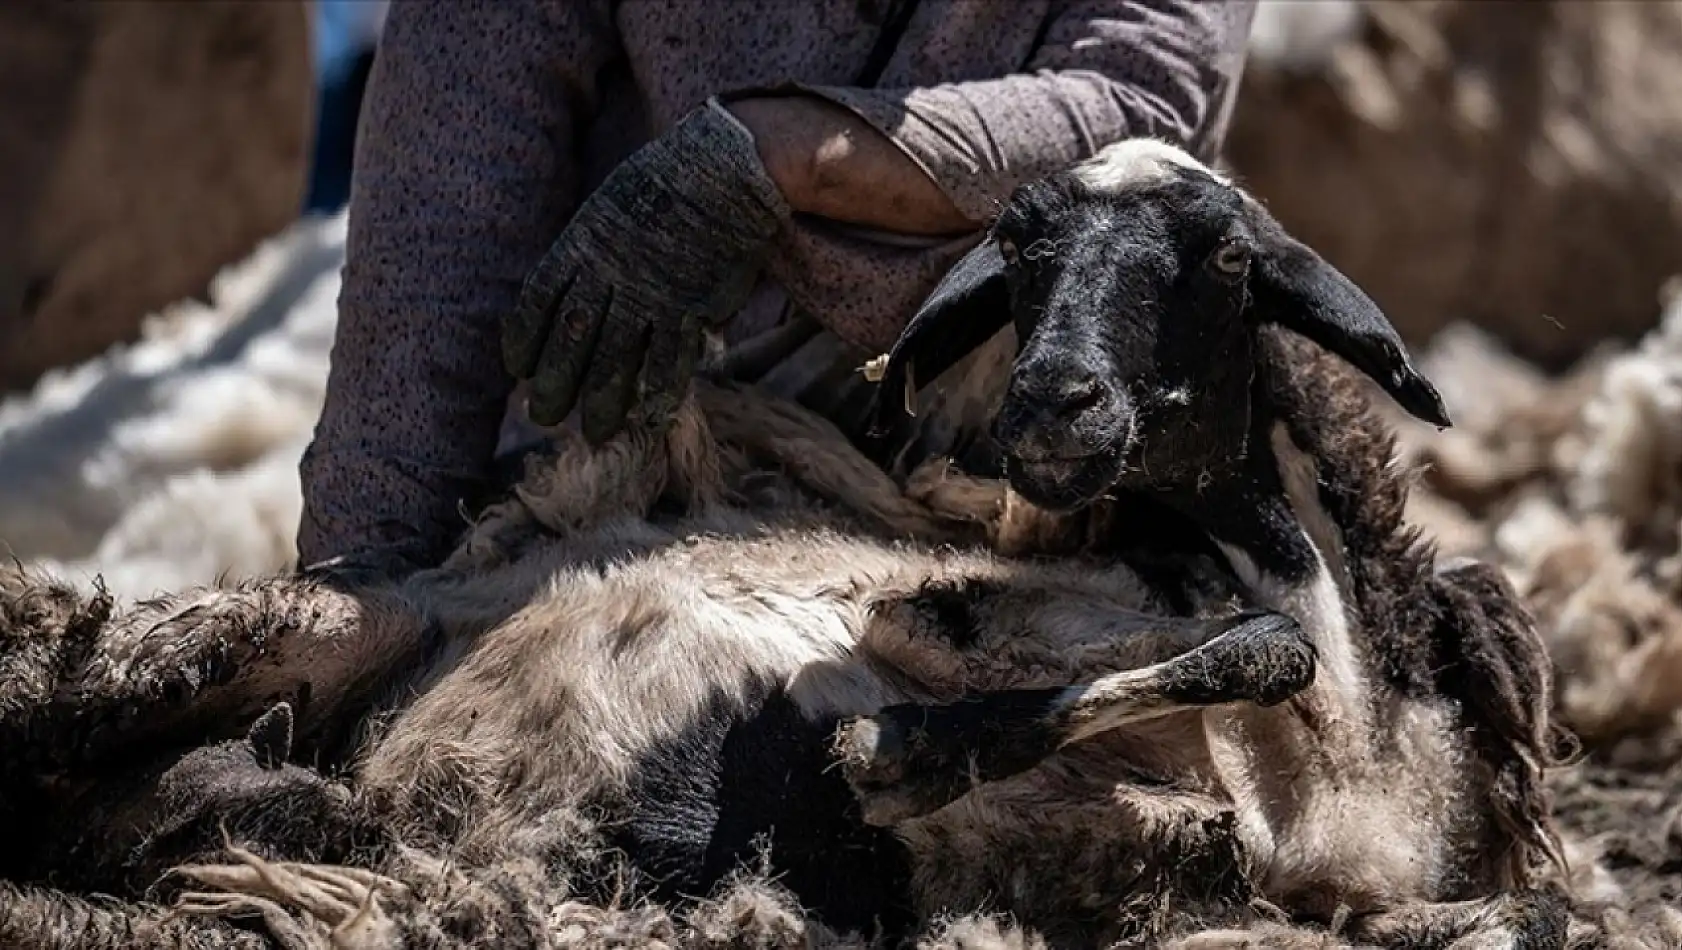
(1068, 398)
(1067, 416)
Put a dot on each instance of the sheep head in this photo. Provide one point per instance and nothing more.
(1137, 282)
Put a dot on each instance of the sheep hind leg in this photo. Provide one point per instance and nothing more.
(911, 759)
(45, 919)
(348, 905)
(1087, 855)
(80, 688)
(418, 899)
(1519, 920)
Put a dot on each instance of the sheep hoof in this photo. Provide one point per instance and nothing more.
(1265, 658)
(910, 760)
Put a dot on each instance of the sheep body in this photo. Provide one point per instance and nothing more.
(742, 607)
(1055, 739)
(614, 641)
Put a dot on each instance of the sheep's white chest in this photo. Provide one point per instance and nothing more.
(1312, 796)
(1319, 602)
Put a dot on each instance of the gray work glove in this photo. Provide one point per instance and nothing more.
(670, 242)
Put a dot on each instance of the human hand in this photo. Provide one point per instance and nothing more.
(669, 242)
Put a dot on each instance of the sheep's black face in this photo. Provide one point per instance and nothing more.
(1135, 360)
(1136, 282)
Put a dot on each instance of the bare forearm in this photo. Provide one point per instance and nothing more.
(830, 163)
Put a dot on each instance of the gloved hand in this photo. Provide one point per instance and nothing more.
(670, 241)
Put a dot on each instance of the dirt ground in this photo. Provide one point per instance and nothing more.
(1629, 804)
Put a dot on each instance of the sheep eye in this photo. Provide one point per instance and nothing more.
(1007, 250)
(1232, 258)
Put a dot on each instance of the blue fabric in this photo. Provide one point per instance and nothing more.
(346, 32)
(344, 29)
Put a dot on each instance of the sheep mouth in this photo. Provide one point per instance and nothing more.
(1064, 484)
(1067, 483)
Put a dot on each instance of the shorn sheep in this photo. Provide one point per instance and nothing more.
(1177, 664)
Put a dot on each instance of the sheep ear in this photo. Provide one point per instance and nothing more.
(969, 305)
(1295, 288)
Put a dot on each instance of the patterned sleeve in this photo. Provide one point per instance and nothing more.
(1105, 70)
(466, 167)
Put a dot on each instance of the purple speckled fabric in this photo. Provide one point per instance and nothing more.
(485, 120)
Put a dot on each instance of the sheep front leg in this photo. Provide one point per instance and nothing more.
(985, 627)
(911, 759)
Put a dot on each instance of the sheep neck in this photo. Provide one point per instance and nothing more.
(1283, 545)
(1250, 509)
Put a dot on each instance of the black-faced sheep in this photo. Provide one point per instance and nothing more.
(1243, 683)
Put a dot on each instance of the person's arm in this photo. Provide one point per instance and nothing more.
(1105, 70)
(466, 168)
(829, 162)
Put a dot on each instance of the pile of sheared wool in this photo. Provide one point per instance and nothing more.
(1574, 486)
(1301, 36)
(174, 461)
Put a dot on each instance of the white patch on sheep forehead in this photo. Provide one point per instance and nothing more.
(1137, 163)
